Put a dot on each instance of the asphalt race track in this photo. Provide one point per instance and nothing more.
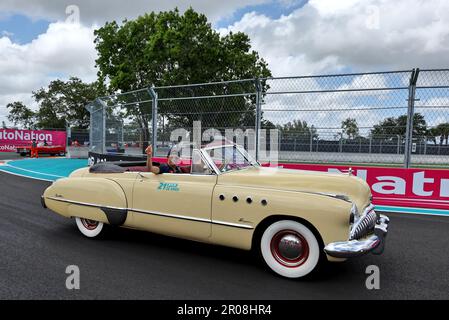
(37, 245)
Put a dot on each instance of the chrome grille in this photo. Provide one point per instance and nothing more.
(364, 226)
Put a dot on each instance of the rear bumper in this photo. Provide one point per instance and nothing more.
(353, 248)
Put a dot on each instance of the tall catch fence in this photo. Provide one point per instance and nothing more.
(396, 118)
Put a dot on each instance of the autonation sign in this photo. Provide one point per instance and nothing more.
(10, 139)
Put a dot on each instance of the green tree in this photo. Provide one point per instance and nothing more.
(169, 48)
(20, 114)
(432, 134)
(60, 103)
(391, 127)
(419, 125)
(299, 129)
(442, 130)
(63, 102)
(350, 128)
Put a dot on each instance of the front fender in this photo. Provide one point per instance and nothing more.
(328, 215)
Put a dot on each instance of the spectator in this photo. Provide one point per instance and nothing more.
(34, 151)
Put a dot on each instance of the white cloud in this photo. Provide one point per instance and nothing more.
(64, 50)
(327, 35)
(101, 11)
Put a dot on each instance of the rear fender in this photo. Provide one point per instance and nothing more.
(97, 199)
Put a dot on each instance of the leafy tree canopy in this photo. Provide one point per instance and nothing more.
(169, 48)
(20, 114)
(392, 126)
(350, 128)
(442, 131)
(63, 102)
(299, 129)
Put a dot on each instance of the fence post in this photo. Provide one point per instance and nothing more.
(90, 109)
(67, 137)
(399, 144)
(258, 114)
(91, 121)
(154, 97)
(410, 116)
(311, 142)
(360, 144)
(425, 145)
(103, 115)
(370, 143)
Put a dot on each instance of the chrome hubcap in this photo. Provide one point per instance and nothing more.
(289, 248)
(89, 224)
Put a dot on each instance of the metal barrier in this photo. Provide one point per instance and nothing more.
(399, 117)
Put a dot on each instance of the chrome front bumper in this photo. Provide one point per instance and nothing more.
(373, 243)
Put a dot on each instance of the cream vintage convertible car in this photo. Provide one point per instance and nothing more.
(295, 219)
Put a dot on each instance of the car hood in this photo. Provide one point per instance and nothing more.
(323, 183)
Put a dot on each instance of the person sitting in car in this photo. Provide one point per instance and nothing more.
(170, 167)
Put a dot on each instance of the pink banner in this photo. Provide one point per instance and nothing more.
(10, 139)
(417, 188)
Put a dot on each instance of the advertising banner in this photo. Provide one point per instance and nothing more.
(10, 139)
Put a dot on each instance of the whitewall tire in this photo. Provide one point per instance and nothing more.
(90, 228)
(290, 249)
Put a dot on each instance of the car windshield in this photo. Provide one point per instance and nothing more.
(228, 158)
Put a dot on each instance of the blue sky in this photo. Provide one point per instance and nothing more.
(22, 29)
(271, 9)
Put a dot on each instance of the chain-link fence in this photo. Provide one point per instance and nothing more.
(78, 141)
(121, 123)
(399, 118)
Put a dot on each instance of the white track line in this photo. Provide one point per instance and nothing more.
(35, 172)
(23, 176)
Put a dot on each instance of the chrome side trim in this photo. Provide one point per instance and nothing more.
(86, 204)
(169, 215)
(154, 213)
(335, 196)
(175, 216)
(230, 224)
